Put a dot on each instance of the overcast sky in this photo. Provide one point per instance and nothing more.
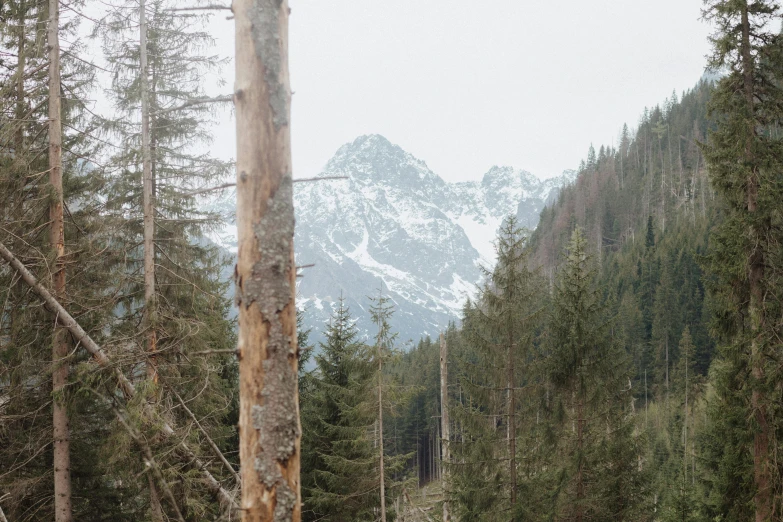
(465, 85)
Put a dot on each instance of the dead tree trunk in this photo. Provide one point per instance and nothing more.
(60, 348)
(444, 422)
(512, 425)
(269, 428)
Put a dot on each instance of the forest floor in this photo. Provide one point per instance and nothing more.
(422, 505)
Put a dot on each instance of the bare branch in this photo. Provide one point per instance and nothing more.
(150, 462)
(212, 444)
(210, 189)
(324, 178)
(203, 8)
(196, 101)
(231, 185)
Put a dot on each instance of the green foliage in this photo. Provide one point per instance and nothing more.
(501, 390)
(339, 462)
(599, 478)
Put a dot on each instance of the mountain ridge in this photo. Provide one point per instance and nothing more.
(394, 224)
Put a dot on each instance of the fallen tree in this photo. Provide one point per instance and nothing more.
(67, 321)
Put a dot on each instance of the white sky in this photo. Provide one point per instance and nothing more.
(465, 85)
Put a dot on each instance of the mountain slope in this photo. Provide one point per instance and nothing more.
(396, 225)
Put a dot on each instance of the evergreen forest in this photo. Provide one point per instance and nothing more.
(623, 361)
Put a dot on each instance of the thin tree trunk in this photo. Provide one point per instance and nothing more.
(512, 426)
(685, 416)
(149, 230)
(148, 203)
(444, 421)
(269, 428)
(580, 484)
(60, 348)
(20, 91)
(380, 432)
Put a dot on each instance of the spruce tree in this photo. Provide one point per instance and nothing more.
(171, 304)
(339, 462)
(744, 156)
(597, 451)
(498, 410)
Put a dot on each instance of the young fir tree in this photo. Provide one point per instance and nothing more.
(390, 399)
(339, 462)
(679, 495)
(597, 452)
(499, 437)
(744, 155)
(171, 305)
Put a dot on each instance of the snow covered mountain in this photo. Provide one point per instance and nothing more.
(396, 225)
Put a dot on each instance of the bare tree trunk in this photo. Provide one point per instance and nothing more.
(444, 421)
(380, 433)
(148, 203)
(580, 483)
(685, 416)
(20, 70)
(269, 428)
(60, 348)
(149, 230)
(512, 425)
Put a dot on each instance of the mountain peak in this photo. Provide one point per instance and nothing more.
(504, 176)
(374, 159)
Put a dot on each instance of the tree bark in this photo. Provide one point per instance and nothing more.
(580, 483)
(148, 203)
(20, 91)
(761, 457)
(129, 391)
(148, 211)
(60, 347)
(380, 433)
(269, 427)
(512, 425)
(444, 422)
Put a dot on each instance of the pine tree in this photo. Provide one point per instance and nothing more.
(598, 474)
(339, 482)
(171, 303)
(744, 157)
(495, 374)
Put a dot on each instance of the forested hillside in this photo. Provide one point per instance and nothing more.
(621, 362)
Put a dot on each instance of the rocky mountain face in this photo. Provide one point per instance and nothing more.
(395, 226)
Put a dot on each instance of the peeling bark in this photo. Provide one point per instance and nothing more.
(269, 426)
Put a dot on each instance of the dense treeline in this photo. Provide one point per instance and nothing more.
(621, 362)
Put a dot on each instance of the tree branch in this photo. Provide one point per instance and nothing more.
(67, 321)
(230, 185)
(150, 461)
(212, 444)
(194, 102)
